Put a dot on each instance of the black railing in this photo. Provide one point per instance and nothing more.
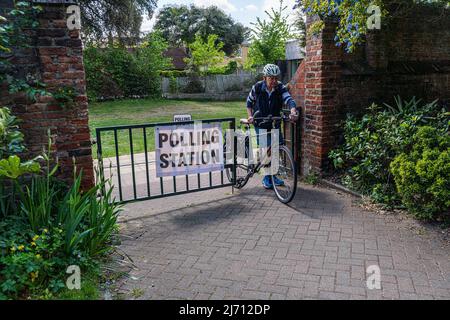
(131, 186)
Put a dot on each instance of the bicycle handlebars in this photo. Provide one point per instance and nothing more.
(270, 118)
(267, 119)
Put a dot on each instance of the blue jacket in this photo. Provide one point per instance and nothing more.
(267, 103)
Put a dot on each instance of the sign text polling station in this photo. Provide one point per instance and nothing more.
(188, 149)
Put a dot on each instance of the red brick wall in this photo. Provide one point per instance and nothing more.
(55, 59)
(411, 58)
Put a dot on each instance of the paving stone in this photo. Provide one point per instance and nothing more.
(250, 246)
(330, 295)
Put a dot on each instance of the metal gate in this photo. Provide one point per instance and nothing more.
(125, 155)
(130, 169)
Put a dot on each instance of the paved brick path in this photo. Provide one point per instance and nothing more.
(214, 245)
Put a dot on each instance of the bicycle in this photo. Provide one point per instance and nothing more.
(287, 171)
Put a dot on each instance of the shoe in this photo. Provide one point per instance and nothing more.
(267, 183)
(278, 182)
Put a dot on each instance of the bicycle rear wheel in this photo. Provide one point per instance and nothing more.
(287, 172)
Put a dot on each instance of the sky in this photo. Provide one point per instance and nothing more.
(243, 11)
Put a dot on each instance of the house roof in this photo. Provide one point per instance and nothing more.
(177, 55)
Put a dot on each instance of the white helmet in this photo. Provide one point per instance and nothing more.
(271, 70)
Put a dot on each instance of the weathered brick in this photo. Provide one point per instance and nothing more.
(58, 51)
(322, 81)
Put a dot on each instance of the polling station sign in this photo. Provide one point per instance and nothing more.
(182, 117)
(188, 149)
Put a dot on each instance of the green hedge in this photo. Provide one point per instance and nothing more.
(116, 72)
(422, 175)
(374, 141)
(174, 73)
(230, 68)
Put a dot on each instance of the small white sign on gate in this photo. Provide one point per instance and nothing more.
(182, 117)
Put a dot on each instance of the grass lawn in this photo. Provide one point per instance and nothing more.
(129, 112)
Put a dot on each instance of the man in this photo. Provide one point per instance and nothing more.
(268, 97)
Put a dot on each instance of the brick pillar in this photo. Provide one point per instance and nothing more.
(396, 61)
(297, 90)
(56, 59)
(315, 90)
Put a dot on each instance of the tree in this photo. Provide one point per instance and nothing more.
(269, 38)
(150, 53)
(180, 25)
(353, 15)
(114, 19)
(205, 55)
(173, 22)
(300, 27)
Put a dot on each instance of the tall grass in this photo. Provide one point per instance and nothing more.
(88, 219)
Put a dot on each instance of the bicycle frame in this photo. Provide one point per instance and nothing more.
(252, 169)
(284, 192)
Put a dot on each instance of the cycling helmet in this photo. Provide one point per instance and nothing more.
(271, 70)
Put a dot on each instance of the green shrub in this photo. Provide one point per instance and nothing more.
(173, 73)
(116, 72)
(30, 261)
(173, 87)
(54, 229)
(373, 141)
(217, 70)
(46, 225)
(230, 68)
(11, 139)
(123, 68)
(422, 175)
(194, 86)
(101, 80)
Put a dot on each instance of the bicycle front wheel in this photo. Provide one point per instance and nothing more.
(285, 181)
(242, 170)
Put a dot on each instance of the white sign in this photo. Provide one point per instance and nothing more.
(182, 117)
(188, 149)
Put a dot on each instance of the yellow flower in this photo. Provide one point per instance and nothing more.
(38, 256)
(13, 249)
(35, 237)
(45, 230)
(33, 244)
(21, 247)
(34, 275)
